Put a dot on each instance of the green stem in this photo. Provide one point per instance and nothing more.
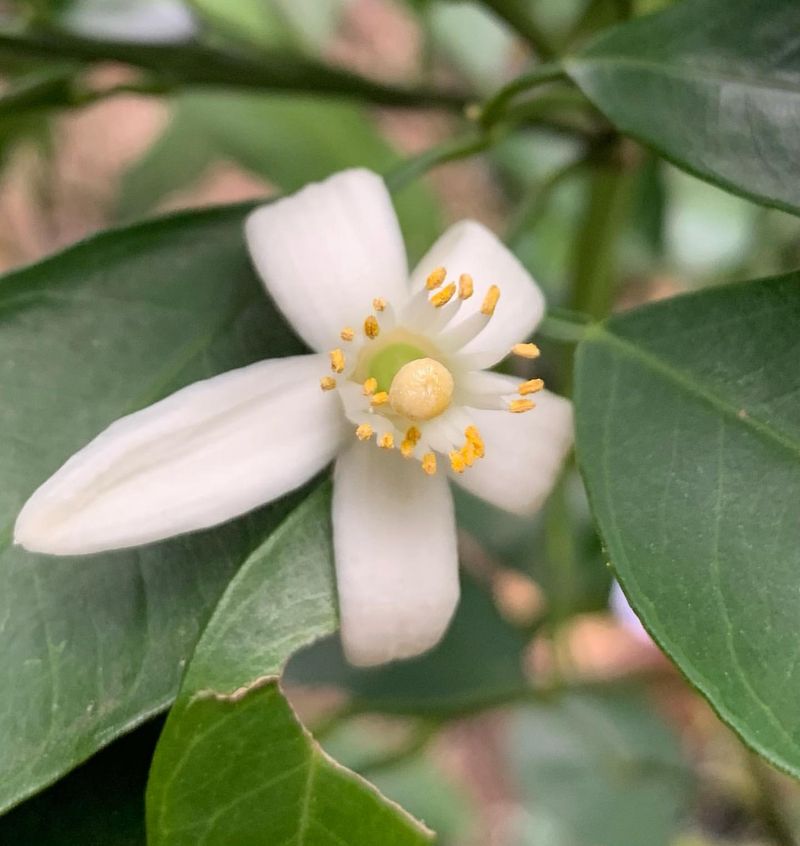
(199, 64)
(517, 14)
(494, 108)
(411, 169)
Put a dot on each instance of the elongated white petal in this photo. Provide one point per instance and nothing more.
(327, 251)
(396, 561)
(524, 452)
(469, 247)
(209, 452)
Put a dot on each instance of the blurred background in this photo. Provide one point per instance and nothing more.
(548, 717)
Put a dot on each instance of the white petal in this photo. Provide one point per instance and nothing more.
(469, 247)
(204, 455)
(524, 453)
(396, 560)
(327, 251)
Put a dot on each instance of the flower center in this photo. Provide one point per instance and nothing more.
(385, 364)
(421, 389)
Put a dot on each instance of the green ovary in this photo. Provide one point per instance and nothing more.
(384, 365)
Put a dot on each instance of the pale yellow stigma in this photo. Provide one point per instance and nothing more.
(444, 296)
(381, 398)
(364, 432)
(347, 334)
(517, 406)
(327, 383)
(410, 441)
(379, 304)
(526, 350)
(490, 301)
(429, 463)
(465, 286)
(530, 387)
(370, 386)
(371, 328)
(435, 279)
(386, 441)
(337, 361)
(421, 389)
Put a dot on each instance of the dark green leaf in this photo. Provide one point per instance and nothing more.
(93, 645)
(478, 662)
(600, 770)
(688, 431)
(714, 85)
(234, 765)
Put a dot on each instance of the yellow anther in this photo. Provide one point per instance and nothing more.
(421, 389)
(472, 434)
(337, 361)
(370, 386)
(364, 432)
(371, 327)
(457, 461)
(435, 279)
(410, 441)
(490, 301)
(526, 350)
(519, 405)
(444, 296)
(347, 334)
(379, 304)
(465, 286)
(530, 387)
(386, 441)
(429, 463)
(381, 398)
(468, 453)
(327, 383)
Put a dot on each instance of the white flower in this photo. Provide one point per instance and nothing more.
(396, 393)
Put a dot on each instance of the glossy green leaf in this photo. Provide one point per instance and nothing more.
(478, 662)
(688, 434)
(714, 85)
(93, 645)
(234, 765)
(600, 770)
(288, 141)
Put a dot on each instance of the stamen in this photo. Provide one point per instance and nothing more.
(472, 434)
(371, 328)
(327, 383)
(435, 279)
(410, 441)
(465, 286)
(468, 454)
(380, 398)
(517, 406)
(490, 301)
(457, 461)
(379, 304)
(337, 361)
(364, 432)
(531, 386)
(526, 350)
(386, 441)
(429, 463)
(347, 334)
(370, 386)
(444, 296)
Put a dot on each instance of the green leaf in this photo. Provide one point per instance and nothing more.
(234, 765)
(597, 769)
(96, 644)
(478, 662)
(101, 803)
(714, 85)
(688, 434)
(278, 138)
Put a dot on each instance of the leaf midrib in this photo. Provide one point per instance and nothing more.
(697, 390)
